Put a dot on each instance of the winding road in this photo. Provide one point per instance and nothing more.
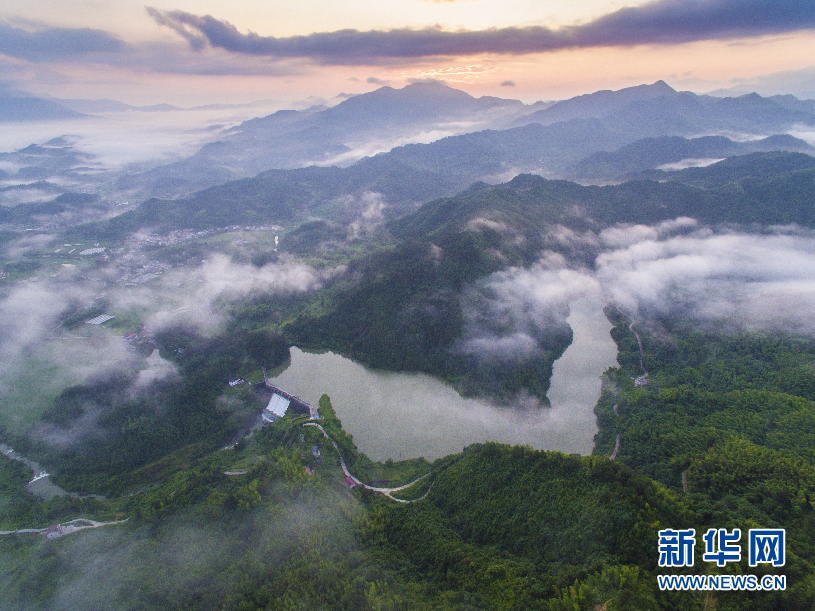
(388, 492)
(640, 381)
(643, 379)
(65, 529)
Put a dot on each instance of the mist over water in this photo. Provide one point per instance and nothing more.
(117, 138)
(400, 416)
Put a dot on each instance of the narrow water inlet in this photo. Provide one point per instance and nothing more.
(401, 415)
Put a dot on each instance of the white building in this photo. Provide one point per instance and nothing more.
(277, 407)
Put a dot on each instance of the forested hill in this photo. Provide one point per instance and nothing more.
(267, 526)
(720, 437)
(399, 306)
(744, 171)
(652, 153)
(769, 188)
(288, 197)
(761, 187)
(726, 418)
(179, 496)
(405, 308)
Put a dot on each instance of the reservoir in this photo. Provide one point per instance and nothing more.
(400, 416)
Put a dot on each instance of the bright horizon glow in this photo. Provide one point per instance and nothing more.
(144, 61)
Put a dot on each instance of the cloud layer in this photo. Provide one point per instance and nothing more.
(659, 22)
(40, 358)
(55, 43)
(741, 281)
(509, 315)
(735, 281)
(193, 296)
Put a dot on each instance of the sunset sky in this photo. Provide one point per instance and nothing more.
(190, 52)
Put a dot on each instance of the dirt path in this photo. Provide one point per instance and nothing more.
(643, 379)
(60, 530)
(616, 449)
(386, 491)
(640, 381)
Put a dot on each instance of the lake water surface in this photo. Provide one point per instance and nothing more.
(399, 416)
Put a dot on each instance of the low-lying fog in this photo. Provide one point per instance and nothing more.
(40, 358)
(733, 279)
(116, 139)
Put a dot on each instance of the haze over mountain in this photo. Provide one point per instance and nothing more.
(547, 141)
(598, 141)
(658, 110)
(674, 152)
(18, 106)
(409, 261)
(548, 356)
(359, 126)
(597, 104)
(108, 106)
(798, 83)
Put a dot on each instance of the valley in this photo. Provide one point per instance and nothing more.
(538, 335)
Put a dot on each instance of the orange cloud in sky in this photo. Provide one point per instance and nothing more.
(700, 66)
(707, 46)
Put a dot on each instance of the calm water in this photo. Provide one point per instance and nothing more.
(397, 415)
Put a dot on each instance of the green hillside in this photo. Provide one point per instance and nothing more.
(200, 515)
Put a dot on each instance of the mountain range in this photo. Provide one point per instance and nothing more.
(428, 140)
(548, 141)
(459, 257)
(18, 107)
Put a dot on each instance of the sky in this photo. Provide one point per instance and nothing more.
(192, 52)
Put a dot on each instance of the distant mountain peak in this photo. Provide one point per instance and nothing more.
(26, 107)
(599, 103)
(427, 83)
(660, 84)
(641, 92)
(431, 101)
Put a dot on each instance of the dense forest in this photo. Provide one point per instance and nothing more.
(718, 434)
(709, 442)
